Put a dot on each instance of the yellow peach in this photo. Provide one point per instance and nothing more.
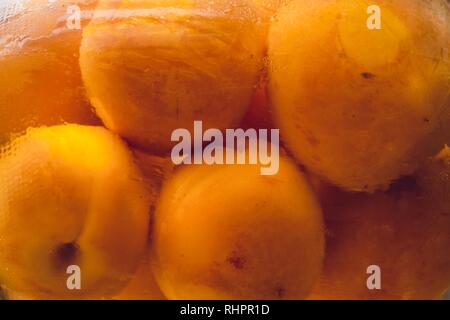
(158, 65)
(359, 105)
(227, 232)
(70, 195)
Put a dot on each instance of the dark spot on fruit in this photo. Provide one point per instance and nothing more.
(236, 262)
(65, 255)
(426, 120)
(280, 292)
(367, 75)
(313, 141)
